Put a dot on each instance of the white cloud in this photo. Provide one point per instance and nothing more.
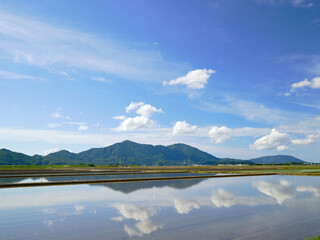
(143, 120)
(120, 117)
(12, 75)
(133, 106)
(181, 127)
(196, 79)
(294, 3)
(314, 83)
(36, 43)
(51, 150)
(134, 123)
(273, 141)
(281, 191)
(220, 134)
(147, 110)
(82, 128)
(185, 206)
(58, 114)
(100, 79)
(310, 139)
(251, 111)
(118, 219)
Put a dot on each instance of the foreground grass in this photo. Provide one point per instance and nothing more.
(313, 238)
(309, 170)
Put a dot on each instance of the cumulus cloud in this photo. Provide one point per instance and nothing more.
(120, 117)
(181, 127)
(185, 206)
(281, 191)
(134, 123)
(133, 106)
(144, 112)
(196, 79)
(220, 134)
(314, 83)
(273, 141)
(147, 110)
(310, 139)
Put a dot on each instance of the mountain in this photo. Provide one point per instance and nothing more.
(8, 157)
(131, 153)
(277, 159)
(193, 154)
(128, 152)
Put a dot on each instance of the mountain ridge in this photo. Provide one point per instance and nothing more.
(132, 153)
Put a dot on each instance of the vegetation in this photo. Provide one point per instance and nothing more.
(313, 238)
(131, 153)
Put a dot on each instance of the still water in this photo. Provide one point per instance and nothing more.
(264, 207)
(95, 177)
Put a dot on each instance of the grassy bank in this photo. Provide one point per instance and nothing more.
(255, 169)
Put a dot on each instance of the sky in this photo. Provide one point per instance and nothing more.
(236, 79)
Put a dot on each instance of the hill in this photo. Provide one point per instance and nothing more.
(8, 157)
(277, 159)
(131, 153)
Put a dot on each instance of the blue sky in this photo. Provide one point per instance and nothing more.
(233, 78)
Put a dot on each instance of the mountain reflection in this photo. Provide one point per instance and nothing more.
(134, 186)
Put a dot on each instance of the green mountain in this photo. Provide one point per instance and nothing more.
(131, 153)
(128, 152)
(277, 159)
(8, 157)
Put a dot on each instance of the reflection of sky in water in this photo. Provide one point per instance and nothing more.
(269, 207)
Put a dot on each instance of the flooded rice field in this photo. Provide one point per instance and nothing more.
(259, 207)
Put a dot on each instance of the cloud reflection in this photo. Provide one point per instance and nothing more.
(281, 191)
(315, 191)
(185, 206)
(225, 198)
(140, 214)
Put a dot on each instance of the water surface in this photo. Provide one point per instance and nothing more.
(95, 177)
(264, 207)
